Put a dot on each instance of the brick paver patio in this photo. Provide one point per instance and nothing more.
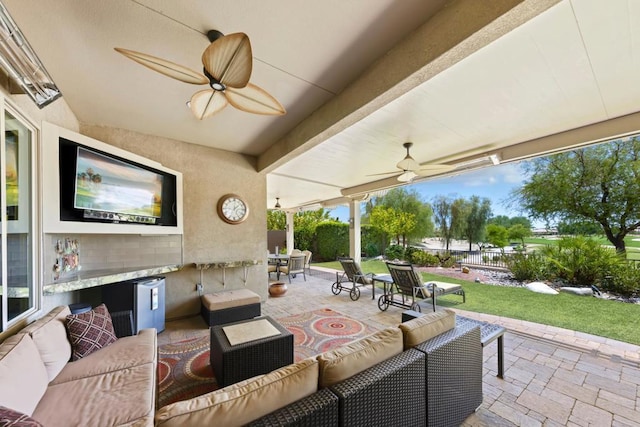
(553, 376)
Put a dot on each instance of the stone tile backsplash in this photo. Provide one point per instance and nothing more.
(115, 251)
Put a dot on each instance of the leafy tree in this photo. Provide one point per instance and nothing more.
(393, 222)
(599, 183)
(525, 222)
(408, 201)
(519, 232)
(508, 222)
(502, 220)
(475, 219)
(276, 220)
(579, 228)
(304, 225)
(448, 215)
(497, 235)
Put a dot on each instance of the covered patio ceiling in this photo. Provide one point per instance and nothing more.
(461, 79)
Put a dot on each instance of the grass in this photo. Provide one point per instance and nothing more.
(609, 319)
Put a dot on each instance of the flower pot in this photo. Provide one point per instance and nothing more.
(277, 289)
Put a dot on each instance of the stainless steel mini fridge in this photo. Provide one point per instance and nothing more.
(149, 304)
(144, 297)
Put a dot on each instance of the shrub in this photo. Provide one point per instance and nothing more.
(527, 267)
(411, 252)
(623, 279)
(394, 252)
(580, 261)
(332, 240)
(423, 258)
(371, 250)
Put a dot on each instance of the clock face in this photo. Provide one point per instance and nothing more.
(232, 209)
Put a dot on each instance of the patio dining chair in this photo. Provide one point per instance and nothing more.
(294, 266)
(352, 275)
(272, 266)
(408, 284)
(307, 260)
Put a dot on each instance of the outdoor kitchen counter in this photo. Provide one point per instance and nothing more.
(90, 279)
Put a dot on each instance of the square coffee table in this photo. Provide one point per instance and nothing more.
(249, 348)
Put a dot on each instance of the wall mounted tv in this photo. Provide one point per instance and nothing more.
(96, 186)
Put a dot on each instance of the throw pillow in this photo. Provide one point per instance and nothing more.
(11, 418)
(90, 331)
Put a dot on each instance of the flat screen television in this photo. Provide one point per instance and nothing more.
(101, 187)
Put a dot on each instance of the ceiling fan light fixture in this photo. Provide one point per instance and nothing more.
(408, 164)
(407, 176)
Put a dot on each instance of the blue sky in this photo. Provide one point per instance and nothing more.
(494, 183)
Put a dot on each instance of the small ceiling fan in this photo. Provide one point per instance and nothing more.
(411, 169)
(228, 63)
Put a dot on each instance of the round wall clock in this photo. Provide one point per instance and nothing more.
(232, 209)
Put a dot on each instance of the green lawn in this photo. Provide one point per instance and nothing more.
(629, 241)
(610, 319)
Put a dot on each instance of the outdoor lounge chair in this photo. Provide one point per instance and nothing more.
(408, 284)
(352, 275)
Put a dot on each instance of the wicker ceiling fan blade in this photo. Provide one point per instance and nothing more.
(165, 67)
(206, 103)
(384, 173)
(229, 60)
(254, 99)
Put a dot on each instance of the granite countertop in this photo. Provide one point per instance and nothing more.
(226, 264)
(90, 279)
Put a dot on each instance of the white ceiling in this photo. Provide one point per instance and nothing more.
(460, 79)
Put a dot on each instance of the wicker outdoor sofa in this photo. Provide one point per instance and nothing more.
(426, 371)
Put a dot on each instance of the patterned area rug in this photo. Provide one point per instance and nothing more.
(315, 332)
(184, 370)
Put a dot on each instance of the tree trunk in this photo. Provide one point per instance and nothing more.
(618, 242)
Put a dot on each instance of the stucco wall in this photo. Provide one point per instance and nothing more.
(208, 174)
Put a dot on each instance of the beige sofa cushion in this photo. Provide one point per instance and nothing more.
(23, 376)
(123, 397)
(421, 329)
(125, 353)
(50, 337)
(348, 360)
(241, 403)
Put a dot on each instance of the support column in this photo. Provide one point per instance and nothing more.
(289, 230)
(355, 243)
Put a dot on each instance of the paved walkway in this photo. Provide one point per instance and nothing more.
(553, 376)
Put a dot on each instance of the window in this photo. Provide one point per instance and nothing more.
(17, 246)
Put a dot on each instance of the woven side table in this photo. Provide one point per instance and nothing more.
(234, 363)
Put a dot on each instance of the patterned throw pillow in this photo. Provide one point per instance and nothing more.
(90, 331)
(11, 418)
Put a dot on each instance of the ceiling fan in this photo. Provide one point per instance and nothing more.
(228, 62)
(411, 168)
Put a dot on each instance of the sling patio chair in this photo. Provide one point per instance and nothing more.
(408, 285)
(352, 275)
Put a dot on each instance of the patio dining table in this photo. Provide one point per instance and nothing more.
(278, 260)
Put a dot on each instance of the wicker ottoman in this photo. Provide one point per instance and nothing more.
(230, 306)
(234, 363)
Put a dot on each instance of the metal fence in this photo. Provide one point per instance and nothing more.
(487, 259)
